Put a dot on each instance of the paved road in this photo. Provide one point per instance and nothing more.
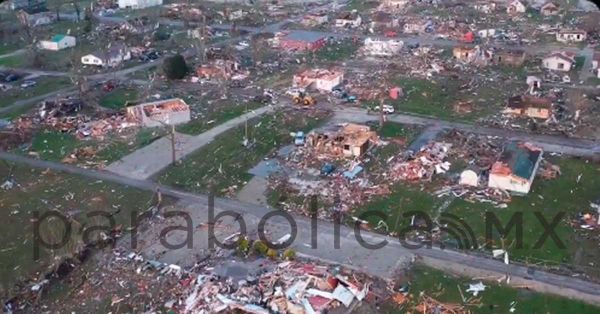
(150, 160)
(551, 143)
(383, 262)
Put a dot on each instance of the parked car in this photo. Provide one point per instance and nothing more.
(28, 84)
(299, 138)
(387, 109)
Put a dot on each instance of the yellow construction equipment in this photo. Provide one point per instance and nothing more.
(303, 99)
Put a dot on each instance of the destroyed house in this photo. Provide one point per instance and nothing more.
(348, 19)
(138, 4)
(159, 113)
(463, 53)
(301, 41)
(529, 106)
(571, 35)
(384, 20)
(223, 69)
(393, 5)
(510, 57)
(352, 140)
(315, 19)
(515, 169)
(382, 47)
(320, 79)
(515, 7)
(549, 8)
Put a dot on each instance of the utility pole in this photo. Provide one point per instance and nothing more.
(173, 154)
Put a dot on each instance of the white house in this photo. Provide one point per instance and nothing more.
(114, 56)
(571, 35)
(138, 4)
(559, 61)
(515, 7)
(515, 169)
(382, 48)
(58, 42)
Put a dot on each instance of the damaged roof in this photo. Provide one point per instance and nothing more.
(518, 159)
(525, 101)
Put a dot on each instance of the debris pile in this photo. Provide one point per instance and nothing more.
(291, 287)
(428, 161)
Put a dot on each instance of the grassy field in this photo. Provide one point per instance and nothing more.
(43, 191)
(495, 299)
(436, 98)
(55, 146)
(342, 50)
(225, 161)
(547, 196)
(44, 85)
(217, 114)
(117, 98)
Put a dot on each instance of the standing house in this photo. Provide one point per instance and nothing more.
(549, 9)
(529, 106)
(159, 113)
(515, 169)
(559, 61)
(516, 7)
(138, 4)
(382, 48)
(571, 35)
(321, 79)
(301, 41)
(348, 19)
(58, 42)
(115, 55)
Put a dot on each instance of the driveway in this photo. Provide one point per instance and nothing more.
(150, 160)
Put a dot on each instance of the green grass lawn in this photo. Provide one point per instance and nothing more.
(494, 299)
(44, 85)
(55, 145)
(42, 191)
(579, 61)
(218, 114)
(342, 50)
(225, 161)
(117, 98)
(547, 196)
(16, 61)
(436, 99)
